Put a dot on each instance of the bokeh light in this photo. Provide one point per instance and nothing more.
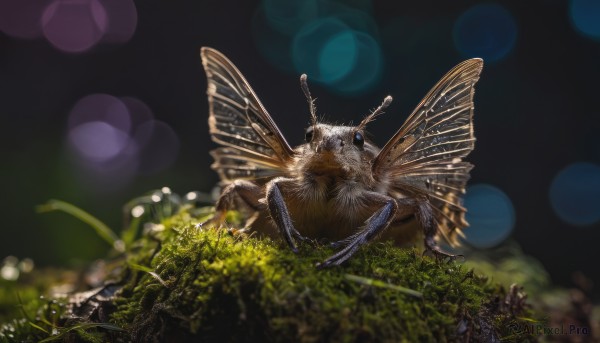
(332, 53)
(98, 140)
(289, 16)
(122, 21)
(113, 139)
(158, 146)
(137, 211)
(331, 42)
(368, 65)
(105, 176)
(71, 26)
(308, 45)
(101, 107)
(488, 31)
(585, 16)
(491, 216)
(338, 57)
(138, 111)
(575, 194)
(99, 136)
(74, 25)
(9, 270)
(21, 18)
(275, 46)
(355, 19)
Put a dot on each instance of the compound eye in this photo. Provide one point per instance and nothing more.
(358, 139)
(309, 134)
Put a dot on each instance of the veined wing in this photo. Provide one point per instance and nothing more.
(426, 155)
(252, 145)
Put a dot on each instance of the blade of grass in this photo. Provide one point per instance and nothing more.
(38, 327)
(139, 267)
(22, 307)
(128, 235)
(378, 283)
(101, 229)
(83, 326)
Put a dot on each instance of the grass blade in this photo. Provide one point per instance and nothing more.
(379, 283)
(101, 229)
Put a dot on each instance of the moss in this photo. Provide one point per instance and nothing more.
(181, 281)
(37, 316)
(217, 285)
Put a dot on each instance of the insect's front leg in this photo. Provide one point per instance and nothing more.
(376, 224)
(249, 192)
(280, 214)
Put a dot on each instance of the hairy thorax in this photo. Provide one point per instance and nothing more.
(330, 190)
(326, 191)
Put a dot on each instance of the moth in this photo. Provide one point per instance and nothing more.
(338, 185)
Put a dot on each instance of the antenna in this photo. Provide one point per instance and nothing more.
(379, 110)
(311, 101)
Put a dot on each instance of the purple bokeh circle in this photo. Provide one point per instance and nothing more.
(21, 18)
(74, 26)
(98, 140)
(101, 107)
(122, 22)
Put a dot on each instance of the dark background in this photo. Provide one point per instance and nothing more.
(536, 113)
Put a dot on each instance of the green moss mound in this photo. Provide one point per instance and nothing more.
(183, 282)
(217, 285)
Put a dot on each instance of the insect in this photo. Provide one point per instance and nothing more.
(339, 185)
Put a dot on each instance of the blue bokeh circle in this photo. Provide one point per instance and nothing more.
(488, 31)
(575, 194)
(491, 216)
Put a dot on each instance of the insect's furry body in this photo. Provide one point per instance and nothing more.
(326, 184)
(339, 185)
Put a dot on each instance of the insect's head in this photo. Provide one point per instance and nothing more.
(324, 138)
(332, 150)
(338, 146)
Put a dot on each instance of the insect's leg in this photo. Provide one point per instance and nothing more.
(406, 208)
(427, 220)
(378, 222)
(280, 214)
(398, 221)
(247, 191)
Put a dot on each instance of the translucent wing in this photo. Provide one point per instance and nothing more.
(426, 155)
(252, 145)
